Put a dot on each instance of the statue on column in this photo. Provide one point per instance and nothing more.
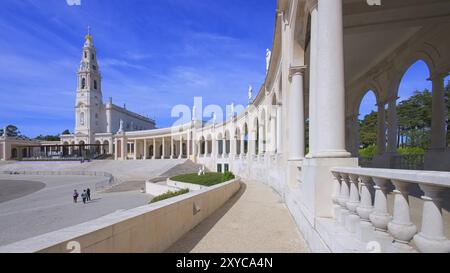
(268, 56)
(250, 94)
(121, 127)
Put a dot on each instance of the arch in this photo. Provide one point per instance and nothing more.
(227, 140)
(83, 83)
(82, 117)
(97, 147)
(14, 153)
(246, 137)
(219, 141)
(24, 153)
(106, 147)
(414, 105)
(238, 138)
(209, 142)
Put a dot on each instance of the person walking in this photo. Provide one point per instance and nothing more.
(75, 196)
(83, 196)
(88, 193)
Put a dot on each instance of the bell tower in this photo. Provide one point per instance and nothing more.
(89, 102)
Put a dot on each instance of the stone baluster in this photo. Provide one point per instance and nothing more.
(352, 204)
(401, 226)
(365, 228)
(365, 208)
(343, 198)
(380, 216)
(432, 239)
(337, 184)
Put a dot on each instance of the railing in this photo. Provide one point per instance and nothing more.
(408, 162)
(360, 198)
(366, 162)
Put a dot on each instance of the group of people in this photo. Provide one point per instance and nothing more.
(85, 196)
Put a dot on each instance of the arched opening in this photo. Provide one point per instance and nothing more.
(227, 142)
(106, 147)
(414, 110)
(209, 144)
(245, 129)
(83, 83)
(367, 128)
(82, 118)
(65, 148)
(219, 144)
(150, 151)
(24, 153)
(257, 136)
(14, 153)
(97, 148)
(238, 136)
(202, 146)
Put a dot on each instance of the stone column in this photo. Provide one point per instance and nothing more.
(172, 152)
(381, 134)
(224, 146)
(261, 139)
(392, 123)
(253, 143)
(154, 149)
(145, 149)
(296, 115)
(188, 144)
(279, 137)
(330, 102)
(313, 79)
(438, 120)
(163, 148)
(181, 147)
(242, 145)
(135, 150)
(273, 133)
(110, 147)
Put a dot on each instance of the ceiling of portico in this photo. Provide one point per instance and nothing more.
(371, 33)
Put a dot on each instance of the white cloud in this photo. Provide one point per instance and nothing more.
(73, 2)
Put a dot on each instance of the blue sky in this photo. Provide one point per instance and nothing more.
(152, 55)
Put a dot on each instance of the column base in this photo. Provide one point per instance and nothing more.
(432, 245)
(332, 154)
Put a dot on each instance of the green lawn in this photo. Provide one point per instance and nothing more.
(209, 179)
(168, 195)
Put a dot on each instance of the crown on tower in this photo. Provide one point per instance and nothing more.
(89, 36)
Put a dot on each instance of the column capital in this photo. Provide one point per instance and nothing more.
(438, 75)
(311, 5)
(297, 70)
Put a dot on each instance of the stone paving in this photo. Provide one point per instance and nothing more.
(255, 220)
(51, 207)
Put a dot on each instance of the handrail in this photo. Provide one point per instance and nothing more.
(420, 177)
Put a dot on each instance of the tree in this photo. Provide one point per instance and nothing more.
(66, 132)
(368, 130)
(11, 131)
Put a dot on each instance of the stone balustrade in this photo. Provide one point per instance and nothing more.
(361, 206)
